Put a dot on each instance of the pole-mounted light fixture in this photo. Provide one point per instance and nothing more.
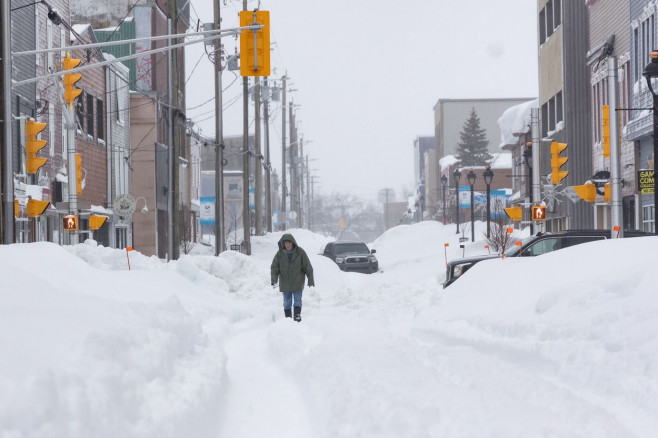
(471, 181)
(444, 182)
(488, 177)
(456, 175)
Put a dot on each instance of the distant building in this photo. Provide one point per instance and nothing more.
(421, 146)
(451, 114)
(449, 118)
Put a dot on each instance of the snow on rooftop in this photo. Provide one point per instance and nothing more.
(514, 121)
(502, 160)
(79, 29)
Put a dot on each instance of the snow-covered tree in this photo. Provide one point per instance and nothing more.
(472, 149)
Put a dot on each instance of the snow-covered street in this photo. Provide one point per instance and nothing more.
(541, 347)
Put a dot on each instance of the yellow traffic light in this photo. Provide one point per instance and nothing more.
(557, 161)
(36, 208)
(605, 138)
(70, 223)
(514, 213)
(96, 221)
(78, 173)
(70, 79)
(17, 208)
(255, 45)
(538, 213)
(606, 192)
(587, 192)
(33, 145)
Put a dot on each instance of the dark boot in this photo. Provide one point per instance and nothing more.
(287, 312)
(298, 314)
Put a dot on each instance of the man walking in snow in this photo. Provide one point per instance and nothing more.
(288, 269)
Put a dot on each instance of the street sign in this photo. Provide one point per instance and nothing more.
(571, 194)
(645, 181)
(464, 196)
(124, 205)
(207, 210)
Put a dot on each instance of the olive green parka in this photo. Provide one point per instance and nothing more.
(290, 273)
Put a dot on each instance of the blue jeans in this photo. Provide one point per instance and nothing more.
(288, 298)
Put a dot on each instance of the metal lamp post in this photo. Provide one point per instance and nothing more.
(651, 71)
(488, 176)
(471, 181)
(456, 175)
(444, 181)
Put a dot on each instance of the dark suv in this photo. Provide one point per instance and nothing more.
(352, 256)
(538, 244)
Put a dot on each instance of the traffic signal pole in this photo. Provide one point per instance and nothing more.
(73, 186)
(536, 182)
(219, 141)
(7, 216)
(246, 223)
(616, 212)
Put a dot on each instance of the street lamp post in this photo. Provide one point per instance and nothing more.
(650, 72)
(488, 176)
(456, 175)
(471, 181)
(444, 182)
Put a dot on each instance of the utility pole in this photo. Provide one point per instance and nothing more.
(292, 160)
(268, 162)
(284, 220)
(258, 170)
(300, 157)
(170, 141)
(7, 180)
(308, 196)
(616, 212)
(173, 215)
(246, 242)
(219, 141)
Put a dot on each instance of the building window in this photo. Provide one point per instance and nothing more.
(49, 44)
(551, 113)
(643, 43)
(557, 12)
(99, 119)
(550, 17)
(648, 218)
(559, 111)
(36, 40)
(544, 120)
(90, 115)
(79, 113)
(625, 93)
(542, 26)
(121, 106)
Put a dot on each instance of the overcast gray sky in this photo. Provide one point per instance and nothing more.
(368, 73)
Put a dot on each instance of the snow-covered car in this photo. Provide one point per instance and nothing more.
(537, 244)
(352, 256)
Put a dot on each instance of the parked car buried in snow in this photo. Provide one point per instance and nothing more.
(352, 256)
(535, 245)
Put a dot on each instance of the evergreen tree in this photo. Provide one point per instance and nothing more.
(472, 149)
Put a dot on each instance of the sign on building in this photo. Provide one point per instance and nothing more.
(645, 181)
